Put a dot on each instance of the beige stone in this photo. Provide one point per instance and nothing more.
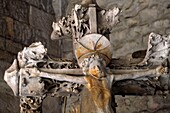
(10, 26)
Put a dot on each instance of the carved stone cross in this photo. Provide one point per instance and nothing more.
(33, 75)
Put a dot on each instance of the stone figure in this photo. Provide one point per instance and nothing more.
(34, 75)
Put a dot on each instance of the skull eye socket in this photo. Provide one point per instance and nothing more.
(56, 33)
(67, 31)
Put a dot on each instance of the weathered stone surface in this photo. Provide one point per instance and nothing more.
(132, 21)
(17, 31)
(3, 26)
(52, 105)
(149, 15)
(57, 9)
(62, 7)
(45, 5)
(26, 21)
(16, 9)
(3, 66)
(24, 33)
(67, 45)
(142, 104)
(1, 7)
(161, 24)
(9, 26)
(54, 49)
(8, 102)
(13, 47)
(137, 20)
(2, 43)
(106, 4)
(6, 56)
(40, 20)
(71, 4)
(35, 3)
(43, 23)
(68, 55)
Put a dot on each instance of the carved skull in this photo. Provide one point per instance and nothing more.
(63, 27)
(31, 55)
(56, 31)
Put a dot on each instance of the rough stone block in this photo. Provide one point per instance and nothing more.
(23, 33)
(17, 31)
(161, 24)
(41, 20)
(10, 27)
(35, 3)
(1, 8)
(6, 27)
(6, 56)
(16, 9)
(52, 105)
(2, 43)
(3, 66)
(45, 5)
(134, 8)
(145, 30)
(132, 22)
(64, 5)
(2, 26)
(149, 15)
(106, 4)
(134, 32)
(126, 41)
(8, 102)
(13, 47)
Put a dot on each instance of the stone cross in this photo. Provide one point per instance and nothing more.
(33, 75)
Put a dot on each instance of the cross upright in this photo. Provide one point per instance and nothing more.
(33, 75)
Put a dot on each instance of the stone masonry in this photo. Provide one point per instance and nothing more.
(25, 21)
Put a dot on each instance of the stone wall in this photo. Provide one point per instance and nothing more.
(137, 19)
(23, 22)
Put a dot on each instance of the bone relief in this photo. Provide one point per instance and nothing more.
(34, 75)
